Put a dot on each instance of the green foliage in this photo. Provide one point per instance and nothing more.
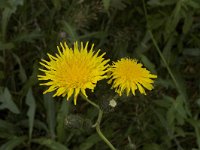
(51, 144)
(7, 102)
(30, 101)
(162, 34)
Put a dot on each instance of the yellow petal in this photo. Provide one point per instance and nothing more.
(76, 95)
(141, 89)
(84, 93)
(69, 93)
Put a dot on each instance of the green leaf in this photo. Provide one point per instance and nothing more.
(2, 75)
(63, 112)
(7, 102)
(188, 22)
(8, 46)
(106, 4)
(50, 112)
(167, 50)
(89, 142)
(5, 135)
(182, 90)
(15, 3)
(167, 83)
(152, 146)
(160, 2)
(57, 4)
(174, 19)
(163, 103)
(22, 73)
(4, 4)
(30, 101)
(177, 111)
(171, 116)
(156, 21)
(12, 143)
(28, 37)
(194, 4)
(118, 4)
(147, 63)
(51, 144)
(32, 80)
(191, 52)
(181, 111)
(99, 35)
(196, 124)
(7, 12)
(7, 127)
(70, 30)
(41, 125)
(180, 131)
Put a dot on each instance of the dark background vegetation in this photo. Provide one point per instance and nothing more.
(166, 39)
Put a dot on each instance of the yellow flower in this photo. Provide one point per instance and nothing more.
(127, 74)
(73, 70)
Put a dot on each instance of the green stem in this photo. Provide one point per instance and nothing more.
(100, 133)
(164, 61)
(98, 122)
(91, 102)
(159, 51)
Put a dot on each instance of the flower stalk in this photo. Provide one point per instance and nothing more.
(98, 122)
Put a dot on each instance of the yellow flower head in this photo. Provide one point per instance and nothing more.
(127, 74)
(73, 70)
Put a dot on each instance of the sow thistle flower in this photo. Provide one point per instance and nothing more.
(129, 75)
(73, 70)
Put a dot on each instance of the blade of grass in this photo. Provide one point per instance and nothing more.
(50, 110)
(30, 101)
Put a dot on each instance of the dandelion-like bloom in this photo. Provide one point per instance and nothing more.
(129, 75)
(72, 71)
